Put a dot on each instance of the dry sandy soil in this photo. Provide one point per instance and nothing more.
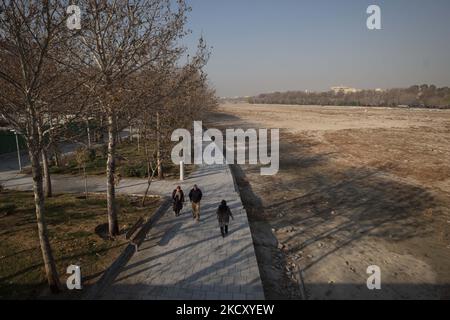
(356, 187)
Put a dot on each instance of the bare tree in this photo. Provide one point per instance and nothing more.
(118, 38)
(29, 33)
(165, 99)
(82, 157)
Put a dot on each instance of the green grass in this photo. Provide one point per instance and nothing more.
(71, 224)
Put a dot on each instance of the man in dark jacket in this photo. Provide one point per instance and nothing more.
(195, 196)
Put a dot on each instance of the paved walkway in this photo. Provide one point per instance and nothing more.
(11, 179)
(182, 259)
(75, 184)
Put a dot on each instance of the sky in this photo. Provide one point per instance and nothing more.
(279, 45)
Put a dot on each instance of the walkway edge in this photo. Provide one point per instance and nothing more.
(114, 269)
(236, 186)
(237, 190)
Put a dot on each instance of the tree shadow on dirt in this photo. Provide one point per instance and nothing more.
(319, 207)
(341, 206)
(271, 260)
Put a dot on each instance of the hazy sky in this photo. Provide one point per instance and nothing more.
(278, 45)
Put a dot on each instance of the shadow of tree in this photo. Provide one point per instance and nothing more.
(332, 202)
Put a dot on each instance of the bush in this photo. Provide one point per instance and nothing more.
(7, 208)
(104, 150)
(72, 163)
(134, 170)
(56, 170)
(92, 154)
(98, 163)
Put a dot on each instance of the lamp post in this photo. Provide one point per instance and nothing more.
(18, 150)
(181, 171)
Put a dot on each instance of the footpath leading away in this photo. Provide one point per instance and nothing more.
(182, 259)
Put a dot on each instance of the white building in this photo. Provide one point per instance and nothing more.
(345, 90)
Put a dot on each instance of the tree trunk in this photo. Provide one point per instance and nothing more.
(110, 172)
(88, 130)
(149, 183)
(85, 182)
(43, 154)
(150, 176)
(47, 177)
(158, 147)
(139, 139)
(117, 132)
(57, 158)
(49, 262)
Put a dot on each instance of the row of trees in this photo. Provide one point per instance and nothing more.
(121, 69)
(424, 96)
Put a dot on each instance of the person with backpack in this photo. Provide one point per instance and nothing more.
(178, 200)
(223, 216)
(195, 196)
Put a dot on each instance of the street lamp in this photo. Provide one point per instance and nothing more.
(181, 170)
(18, 150)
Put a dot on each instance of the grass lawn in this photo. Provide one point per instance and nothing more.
(72, 224)
(130, 163)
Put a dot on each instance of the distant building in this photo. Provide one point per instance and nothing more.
(344, 90)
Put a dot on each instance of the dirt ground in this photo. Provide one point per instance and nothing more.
(356, 187)
(77, 229)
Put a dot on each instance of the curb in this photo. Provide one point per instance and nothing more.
(113, 270)
(236, 187)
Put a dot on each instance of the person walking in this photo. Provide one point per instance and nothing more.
(195, 196)
(178, 200)
(223, 215)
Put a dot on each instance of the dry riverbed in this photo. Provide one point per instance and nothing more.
(356, 187)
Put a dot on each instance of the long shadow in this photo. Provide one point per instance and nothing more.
(165, 232)
(265, 242)
(232, 260)
(169, 252)
(367, 204)
(326, 200)
(341, 291)
(235, 258)
(133, 274)
(65, 258)
(170, 234)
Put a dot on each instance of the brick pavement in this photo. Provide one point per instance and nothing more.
(181, 259)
